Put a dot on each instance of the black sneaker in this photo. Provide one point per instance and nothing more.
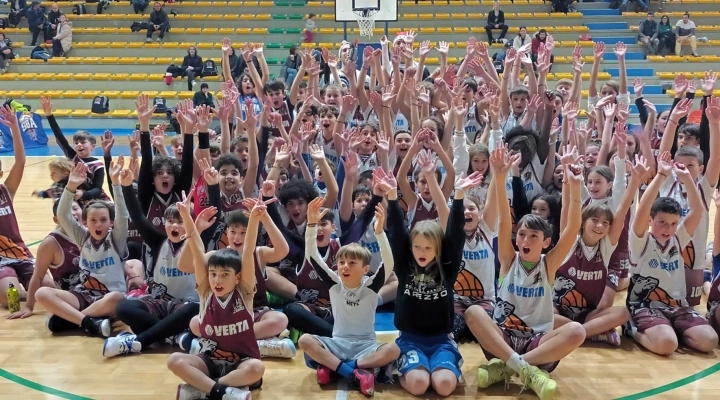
(100, 327)
(56, 324)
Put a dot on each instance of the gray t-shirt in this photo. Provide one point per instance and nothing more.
(684, 29)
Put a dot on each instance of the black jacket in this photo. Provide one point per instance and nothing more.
(493, 20)
(159, 17)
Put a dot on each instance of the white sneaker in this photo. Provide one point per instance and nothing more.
(187, 392)
(279, 348)
(611, 337)
(148, 40)
(194, 83)
(284, 334)
(233, 393)
(194, 347)
(123, 343)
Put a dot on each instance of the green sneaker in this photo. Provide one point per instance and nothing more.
(295, 335)
(495, 371)
(275, 300)
(540, 382)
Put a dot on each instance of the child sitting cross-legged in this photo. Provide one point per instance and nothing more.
(353, 348)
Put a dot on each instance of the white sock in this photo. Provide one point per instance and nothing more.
(515, 362)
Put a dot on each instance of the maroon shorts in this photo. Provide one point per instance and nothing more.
(20, 269)
(322, 311)
(577, 314)
(161, 308)
(461, 305)
(219, 368)
(521, 343)
(86, 298)
(620, 264)
(258, 313)
(712, 318)
(679, 318)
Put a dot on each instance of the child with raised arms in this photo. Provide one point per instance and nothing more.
(353, 350)
(520, 336)
(657, 296)
(103, 254)
(427, 262)
(228, 365)
(584, 286)
(58, 255)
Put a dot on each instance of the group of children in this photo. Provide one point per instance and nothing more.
(335, 201)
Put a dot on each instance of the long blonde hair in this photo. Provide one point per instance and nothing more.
(433, 232)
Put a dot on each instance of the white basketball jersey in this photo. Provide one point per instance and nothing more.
(525, 299)
(102, 265)
(476, 279)
(178, 284)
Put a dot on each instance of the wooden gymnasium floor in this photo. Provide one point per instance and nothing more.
(35, 365)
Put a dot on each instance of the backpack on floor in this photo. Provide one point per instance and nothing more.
(102, 5)
(39, 53)
(79, 9)
(100, 105)
(209, 68)
(4, 23)
(160, 104)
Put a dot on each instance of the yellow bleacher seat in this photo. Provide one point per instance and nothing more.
(327, 17)
(102, 76)
(510, 15)
(33, 94)
(164, 60)
(111, 94)
(72, 94)
(209, 31)
(561, 59)
(110, 60)
(525, 15)
(156, 77)
(226, 31)
(168, 94)
(82, 76)
(146, 60)
(655, 58)
(472, 3)
(150, 93)
(70, 60)
(262, 17)
(326, 45)
(711, 58)
(89, 94)
(215, 17)
(512, 29)
(125, 30)
(432, 30)
(665, 75)
(327, 31)
(432, 61)
(129, 94)
(581, 29)
(137, 77)
(476, 16)
(127, 60)
(564, 29)
(185, 95)
(135, 45)
(117, 45)
(546, 15)
(83, 45)
(15, 93)
(453, 60)
(313, 3)
(426, 16)
(447, 16)
(461, 29)
(250, 3)
(670, 58)
(54, 93)
(182, 16)
(45, 76)
(28, 76)
(119, 77)
(266, 4)
(586, 43)
(477, 29)
(193, 31)
(707, 28)
(91, 60)
(120, 113)
(64, 76)
(63, 113)
(408, 3)
(260, 31)
(80, 113)
(410, 16)
(203, 4)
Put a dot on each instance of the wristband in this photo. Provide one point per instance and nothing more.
(203, 140)
(312, 225)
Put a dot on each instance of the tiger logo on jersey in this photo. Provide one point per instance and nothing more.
(645, 289)
(468, 285)
(504, 316)
(92, 284)
(209, 348)
(157, 290)
(566, 295)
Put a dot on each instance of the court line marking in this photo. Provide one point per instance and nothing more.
(342, 390)
(31, 244)
(673, 385)
(40, 388)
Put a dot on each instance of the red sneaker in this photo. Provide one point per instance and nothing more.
(325, 375)
(364, 380)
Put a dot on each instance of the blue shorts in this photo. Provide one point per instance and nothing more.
(431, 353)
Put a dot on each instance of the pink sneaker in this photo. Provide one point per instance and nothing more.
(364, 380)
(325, 375)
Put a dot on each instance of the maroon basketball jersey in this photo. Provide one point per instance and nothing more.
(226, 329)
(655, 140)
(11, 243)
(286, 119)
(714, 295)
(260, 298)
(409, 174)
(423, 211)
(580, 282)
(620, 260)
(234, 202)
(312, 289)
(156, 211)
(93, 165)
(66, 274)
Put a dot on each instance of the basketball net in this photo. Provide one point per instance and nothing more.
(366, 20)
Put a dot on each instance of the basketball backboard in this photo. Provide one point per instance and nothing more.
(388, 9)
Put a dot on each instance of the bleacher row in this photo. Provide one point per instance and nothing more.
(108, 58)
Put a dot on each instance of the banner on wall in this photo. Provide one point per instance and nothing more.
(31, 129)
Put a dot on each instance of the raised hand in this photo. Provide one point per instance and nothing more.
(499, 159)
(712, 110)
(46, 104)
(640, 168)
(315, 210)
(680, 84)
(638, 85)
(115, 168)
(468, 182)
(78, 176)
(681, 110)
(621, 137)
(622, 112)
(664, 163)
(268, 189)
(682, 173)
(226, 46)
(8, 116)
(427, 162)
(145, 112)
(205, 219)
(210, 175)
(708, 83)
(351, 164)
(574, 174)
(384, 182)
(126, 177)
(599, 50)
(107, 142)
(620, 49)
(184, 206)
(316, 152)
(204, 118)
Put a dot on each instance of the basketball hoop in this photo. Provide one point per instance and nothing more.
(366, 20)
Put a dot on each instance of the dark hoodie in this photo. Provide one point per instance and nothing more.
(193, 61)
